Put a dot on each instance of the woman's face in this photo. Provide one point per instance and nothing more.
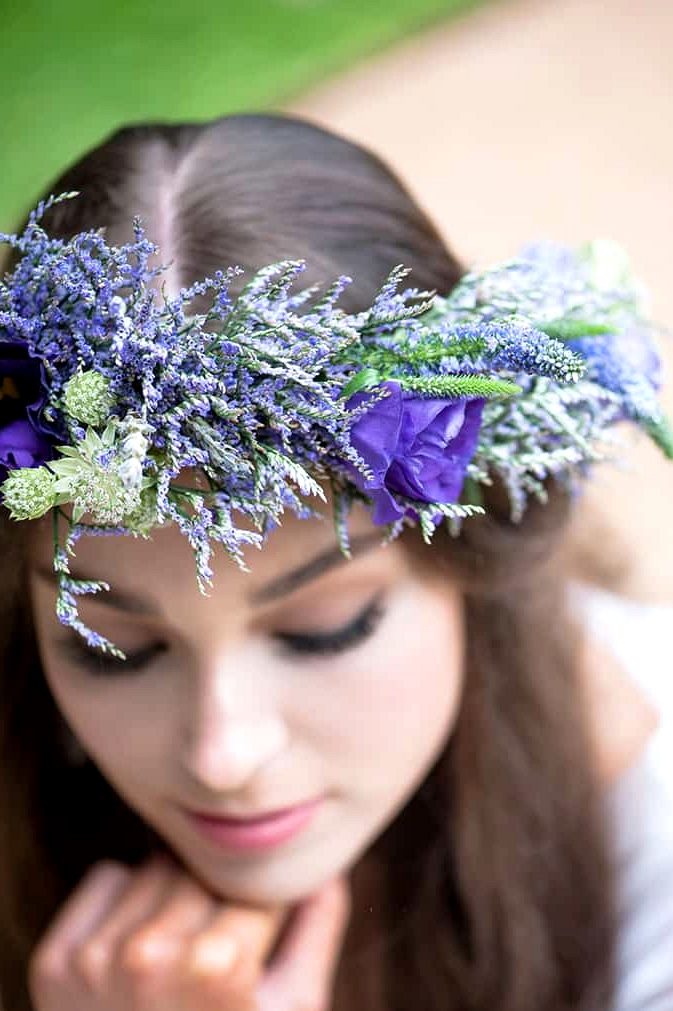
(307, 679)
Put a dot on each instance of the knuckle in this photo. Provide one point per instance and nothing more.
(90, 962)
(144, 956)
(46, 965)
(154, 948)
(104, 869)
(220, 973)
(45, 961)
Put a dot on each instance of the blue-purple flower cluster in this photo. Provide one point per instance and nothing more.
(112, 392)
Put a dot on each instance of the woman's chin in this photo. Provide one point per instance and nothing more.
(265, 889)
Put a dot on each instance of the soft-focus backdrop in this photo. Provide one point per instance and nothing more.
(73, 71)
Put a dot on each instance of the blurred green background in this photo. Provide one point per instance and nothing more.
(73, 71)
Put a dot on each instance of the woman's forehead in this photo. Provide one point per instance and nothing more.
(162, 566)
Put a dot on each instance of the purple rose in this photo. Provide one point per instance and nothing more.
(416, 446)
(24, 438)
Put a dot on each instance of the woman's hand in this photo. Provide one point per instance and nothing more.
(153, 939)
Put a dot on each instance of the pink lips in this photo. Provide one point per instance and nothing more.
(241, 834)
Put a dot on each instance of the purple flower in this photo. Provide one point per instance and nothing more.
(24, 437)
(627, 353)
(418, 447)
(627, 364)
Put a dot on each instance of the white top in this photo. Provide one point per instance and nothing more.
(640, 804)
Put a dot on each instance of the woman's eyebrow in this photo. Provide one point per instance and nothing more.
(120, 600)
(317, 566)
(281, 586)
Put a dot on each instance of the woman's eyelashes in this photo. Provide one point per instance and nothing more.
(297, 644)
(95, 662)
(338, 640)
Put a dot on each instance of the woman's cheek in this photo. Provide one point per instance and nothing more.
(116, 725)
(393, 710)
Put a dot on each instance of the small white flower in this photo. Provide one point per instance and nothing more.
(131, 473)
(135, 444)
(117, 306)
(124, 331)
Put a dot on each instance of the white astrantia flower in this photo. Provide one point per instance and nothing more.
(87, 398)
(29, 492)
(89, 477)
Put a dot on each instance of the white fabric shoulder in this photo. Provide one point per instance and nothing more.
(640, 804)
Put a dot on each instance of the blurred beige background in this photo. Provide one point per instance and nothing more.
(544, 118)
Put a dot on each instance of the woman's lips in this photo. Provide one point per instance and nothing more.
(266, 832)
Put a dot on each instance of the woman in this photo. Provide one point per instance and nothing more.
(200, 792)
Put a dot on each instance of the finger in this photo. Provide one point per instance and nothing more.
(187, 909)
(235, 945)
(93, 959)
(87, 906)
(303, 968)
(149, 963)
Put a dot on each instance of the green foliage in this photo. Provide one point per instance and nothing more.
(659, 430)
(573, 329)
(454, 387)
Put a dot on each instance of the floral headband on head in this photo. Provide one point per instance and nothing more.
(108, 393)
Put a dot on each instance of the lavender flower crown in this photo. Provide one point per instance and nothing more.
(108, 393)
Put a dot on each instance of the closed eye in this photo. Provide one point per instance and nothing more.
(337, 641)
(100, 664)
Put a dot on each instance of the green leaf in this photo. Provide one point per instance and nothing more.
(472, 493)
(573, 329)
(66, 468)
(68, 451)
(659, 430)
(363, 380)
(108, 437)
(453, 387)
(64, 485)
(222, 410)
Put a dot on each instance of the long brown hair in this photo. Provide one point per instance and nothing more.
(497, 875)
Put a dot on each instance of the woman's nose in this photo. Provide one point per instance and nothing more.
(227, 735)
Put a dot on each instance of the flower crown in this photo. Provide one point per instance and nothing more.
(108, 393)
